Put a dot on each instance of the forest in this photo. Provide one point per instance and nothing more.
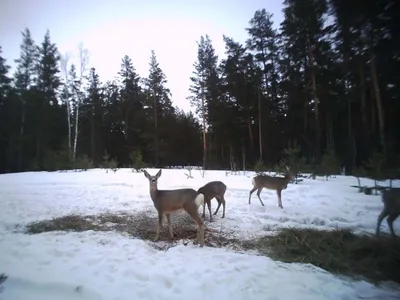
(322, 86)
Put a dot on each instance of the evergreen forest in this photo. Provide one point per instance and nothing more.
(322, 87)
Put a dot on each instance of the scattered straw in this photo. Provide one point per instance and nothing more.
(139, 225)
(337, 251)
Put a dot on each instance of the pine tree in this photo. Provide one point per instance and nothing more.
(130, 96)
(203, 81)
(24, 78)
(303, 32)
(6, 116)
(95, 104)
(159, 100)
(47, 84)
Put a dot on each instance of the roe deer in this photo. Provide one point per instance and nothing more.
(169, 201)
(391, 208)
(272, 183)
(213, 189)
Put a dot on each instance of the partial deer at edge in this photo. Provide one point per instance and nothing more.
(391, 208)
(271, 183)
(169, 201)
(213, 189)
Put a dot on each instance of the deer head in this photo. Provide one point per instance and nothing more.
(152, 179)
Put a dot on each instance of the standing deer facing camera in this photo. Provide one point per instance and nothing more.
(169, 201)
(271, 183)
(213, 189)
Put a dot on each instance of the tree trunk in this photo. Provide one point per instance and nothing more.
(363, 100)
(329, 133)
(78, 104)
(316, 106)
(350, 129)
(232, 158)
(92, 133)
(156, 145)
(127, 125)
(203, 110)
(243, 156)
(251, 136)
(381, 118)
(69, 129)
(373, 115)
(260, 124)
(305, 125)
(21, 136)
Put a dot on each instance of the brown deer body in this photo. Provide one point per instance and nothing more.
(271, 183)
(213, 189)
(391, 208)
(169, 201)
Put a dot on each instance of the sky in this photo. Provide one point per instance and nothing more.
(112, 29)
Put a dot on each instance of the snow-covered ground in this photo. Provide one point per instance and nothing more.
(109, 265)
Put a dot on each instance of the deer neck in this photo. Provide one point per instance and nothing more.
(153, 191)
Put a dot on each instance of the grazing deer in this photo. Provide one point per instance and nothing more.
(391, 208)
(169, 201)
(213, 189)
(272, 183)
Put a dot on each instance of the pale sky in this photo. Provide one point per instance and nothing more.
(111, 29)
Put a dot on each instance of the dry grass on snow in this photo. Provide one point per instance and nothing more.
(337, 251)
(138, 225)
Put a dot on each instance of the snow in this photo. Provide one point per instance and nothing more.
(110, 265)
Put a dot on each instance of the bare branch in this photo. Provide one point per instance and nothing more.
(83, 59)
(64, 61)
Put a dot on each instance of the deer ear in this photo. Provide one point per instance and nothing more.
(158, 174)
(147, 175)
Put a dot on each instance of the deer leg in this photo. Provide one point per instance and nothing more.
(171, 233)
(159, 224)
(193, 213)
(219, 205)
(381, 216)
(279, 193)
(258, 195)
(204, 208)
(223, 207)
(209, 208)
(390, 221)
(251, 192)
(221, 200)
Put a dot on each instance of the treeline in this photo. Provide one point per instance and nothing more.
(324, 84)
(58, 115)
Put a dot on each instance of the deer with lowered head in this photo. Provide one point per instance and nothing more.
(271, 183)
(391, 208)
(169, 201)
(213, 189)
